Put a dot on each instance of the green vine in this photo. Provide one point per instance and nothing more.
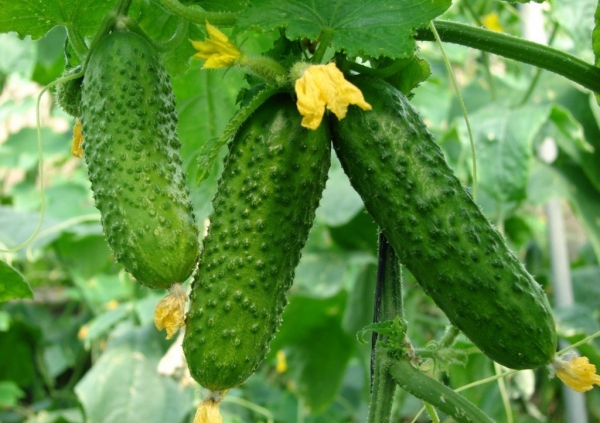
(200, 16)
(518, 49)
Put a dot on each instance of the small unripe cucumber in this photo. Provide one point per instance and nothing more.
(132, 152)
(438, 231)
(265, 205)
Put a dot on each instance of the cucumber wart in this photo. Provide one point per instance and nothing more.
(265, 205)
(438, 231)
(132, 152)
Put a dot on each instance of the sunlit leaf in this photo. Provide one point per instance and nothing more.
(369, 28)
(12, 284)
(35, 18)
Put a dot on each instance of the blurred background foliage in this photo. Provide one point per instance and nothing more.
(84, 349)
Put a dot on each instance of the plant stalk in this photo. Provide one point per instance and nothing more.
(517, 49)
(388, 305)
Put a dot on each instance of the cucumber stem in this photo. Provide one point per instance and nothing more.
(223, 19)
(325, 38)
(388, 305)
(77, 41)
(518, 49)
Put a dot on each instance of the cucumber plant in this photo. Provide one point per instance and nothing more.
(273, 179)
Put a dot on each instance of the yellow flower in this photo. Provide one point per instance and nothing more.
(169, 312)
(208, 410)
(577, 373)
(76, 149)
(281, 366)
(325, 85)
(217, 50)
(492, 21)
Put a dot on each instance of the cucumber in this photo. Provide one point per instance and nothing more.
(265, 205)
(438, 231)
(132, 152)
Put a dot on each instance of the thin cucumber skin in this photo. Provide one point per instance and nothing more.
(265, 205)
(132, 152)
(438, 231)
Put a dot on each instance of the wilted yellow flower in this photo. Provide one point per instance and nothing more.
(76, 148)
(169, 312)
(217, 50)
(281, 366)
(492, 21)
(323, 86)
(577, 373)
(208, 410)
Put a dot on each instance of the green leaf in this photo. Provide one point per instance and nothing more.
(503, 139)
(323, 274)
(37, 18)
(160, 26)
(360, 28)
(316, 346)
(104, 322)
(18, 56)
(578, 22)
(584, 198)
(568, 133)
(596, 35)
(340, 202)
(10, 393)
(359, 307)
(12, 284)
(124, 386)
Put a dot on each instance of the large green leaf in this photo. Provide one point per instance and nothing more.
(503, 139)
(340, 201)
(361, 28)
(577, 19)
(596, 35)
(124, 384)
(35, 18)
(317, 347)
(13, 285)
(584, 198)
(151, 16)
(10, 393)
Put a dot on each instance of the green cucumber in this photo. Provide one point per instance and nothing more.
(264, 208)
(132, 152)
(438, 231)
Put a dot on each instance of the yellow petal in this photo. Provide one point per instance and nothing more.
(281, 366)
(76, 148)
(217, 50)
(492, 21)
(324, 86)
(577, 373)
(208, 409)
(169, 312)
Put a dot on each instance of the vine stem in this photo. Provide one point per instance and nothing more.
(325, 38)
(462, 105)
(200, 16)
(518, 49)
(388, 305)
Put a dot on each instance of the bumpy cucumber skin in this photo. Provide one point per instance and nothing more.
(132, 152)
(68, 94)
(265, 205)
(438, 231)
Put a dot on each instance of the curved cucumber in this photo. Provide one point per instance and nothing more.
(439, 233)
(265, 205)
(132, 151)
